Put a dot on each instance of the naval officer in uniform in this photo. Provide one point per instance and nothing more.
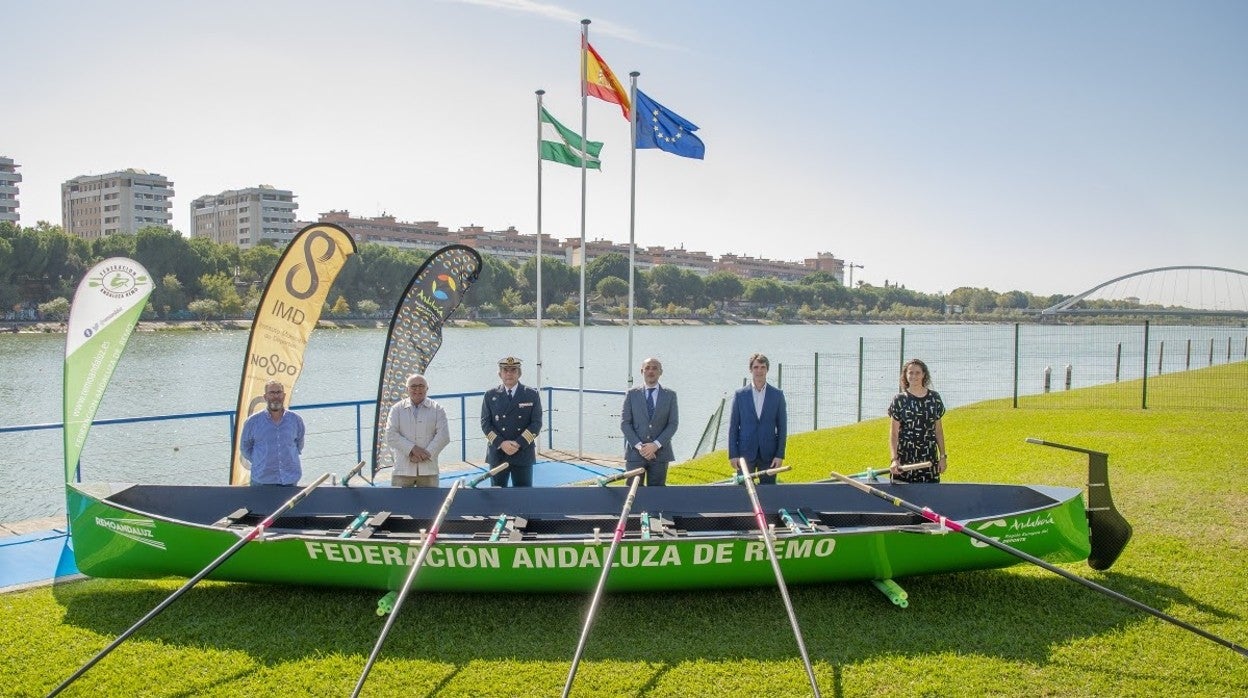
(511, 417)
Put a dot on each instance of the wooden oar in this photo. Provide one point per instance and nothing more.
(775, 567)
(354, 472)
(247, 538)
(871, 473)
(954, 525)
(487, 474)
(407, 583)
(604, 481)
(636, 474)
(739, 478)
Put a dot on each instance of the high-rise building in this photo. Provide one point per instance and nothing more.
(96, 206)
(244, 217)
(8, 190)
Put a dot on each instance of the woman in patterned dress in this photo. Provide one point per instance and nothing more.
(916, 434)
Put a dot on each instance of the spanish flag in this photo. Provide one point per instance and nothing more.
(600, 82)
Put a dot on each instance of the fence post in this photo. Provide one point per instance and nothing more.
(1118, 364)
(902, 360)
(1188, 364)
(1228, 350)
(1211, 351)
(860, 379)
(1144, 385)
(1069, 369)
(1161, 355)
(550, 413)
(780, 376)
(718, 421)
(1048, 376)
(359, 436)
(816, 390)
(1016, 365)
(463, 429)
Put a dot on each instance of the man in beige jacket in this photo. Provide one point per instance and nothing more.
(416, 432)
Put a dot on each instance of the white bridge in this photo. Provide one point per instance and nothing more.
(1175, 290)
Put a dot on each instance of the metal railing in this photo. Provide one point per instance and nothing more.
(457, 406)
(977, 363)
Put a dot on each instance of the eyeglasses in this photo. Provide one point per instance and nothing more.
(418, 386)
(509, 369)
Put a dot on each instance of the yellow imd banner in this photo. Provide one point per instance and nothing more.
(287, 314)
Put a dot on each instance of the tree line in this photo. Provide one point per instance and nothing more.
(197, 278)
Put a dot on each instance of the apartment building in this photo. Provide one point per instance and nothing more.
(593, 250)
(699, 263)
(827, 262)
(748, 267)
(385, 230)
(9, 179)
(245, 217)
(509, 245)
(96, 206)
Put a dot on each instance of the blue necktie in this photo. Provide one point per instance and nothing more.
(650, 402)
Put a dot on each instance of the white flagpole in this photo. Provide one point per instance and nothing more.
(632, 216)
(539, 239)
(580, 385)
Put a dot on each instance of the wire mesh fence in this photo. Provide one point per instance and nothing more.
(972, 364)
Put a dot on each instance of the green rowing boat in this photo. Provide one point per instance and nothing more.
(554, 539)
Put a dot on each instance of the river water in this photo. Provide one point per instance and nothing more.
(853, 366)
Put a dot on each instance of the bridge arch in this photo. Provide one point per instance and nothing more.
(1065, 305)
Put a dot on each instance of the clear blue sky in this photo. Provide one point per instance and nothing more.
(1040, 146)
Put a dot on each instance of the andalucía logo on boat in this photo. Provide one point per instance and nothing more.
(118, 281)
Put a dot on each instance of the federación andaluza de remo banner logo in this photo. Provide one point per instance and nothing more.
(287, 314)
(106, 307)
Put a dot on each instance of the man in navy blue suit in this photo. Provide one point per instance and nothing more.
(759, 424)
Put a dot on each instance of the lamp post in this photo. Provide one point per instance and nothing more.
(851, 266)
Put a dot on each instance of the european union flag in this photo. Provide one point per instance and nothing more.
(662, 128)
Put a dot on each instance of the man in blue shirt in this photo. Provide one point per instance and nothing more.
(273, 439)
(759, 425)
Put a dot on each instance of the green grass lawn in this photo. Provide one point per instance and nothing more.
(1177, 475)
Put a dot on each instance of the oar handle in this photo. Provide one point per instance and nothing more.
(635, 472)
(739, 478)
(353, 472)
(488, 474)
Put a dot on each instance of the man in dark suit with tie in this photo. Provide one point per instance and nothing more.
(759, 424)
(511, 417)
(649, 420)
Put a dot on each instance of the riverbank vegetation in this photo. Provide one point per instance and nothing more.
(198, 279)
(1021, 631)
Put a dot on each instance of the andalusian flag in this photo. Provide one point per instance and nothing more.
(564, 145)
(600, 82)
